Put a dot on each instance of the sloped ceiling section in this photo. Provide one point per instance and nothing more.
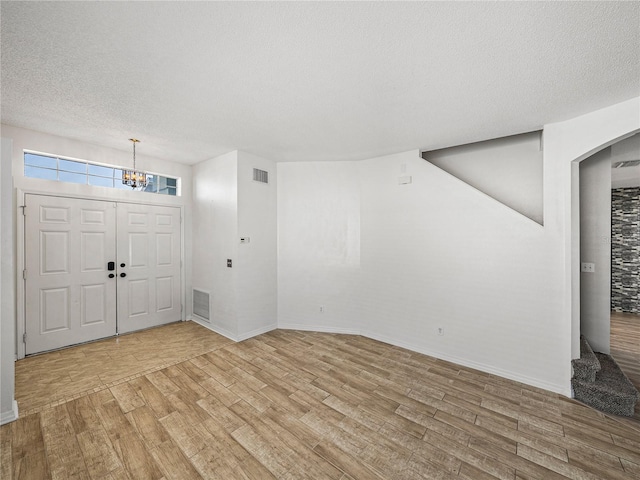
(295, 81)
(507, 169)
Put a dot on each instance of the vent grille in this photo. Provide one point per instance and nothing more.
(628, 163)
(201, 304)
(261, 176)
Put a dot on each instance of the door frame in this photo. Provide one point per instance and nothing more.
(21, 320)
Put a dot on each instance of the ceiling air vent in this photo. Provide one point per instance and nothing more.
(261, 176)
(201, 304)
(628, 163)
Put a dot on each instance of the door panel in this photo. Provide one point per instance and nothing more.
(149, 246)
(70, 298)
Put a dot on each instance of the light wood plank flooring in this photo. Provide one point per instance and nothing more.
(54, 377)
(298, 405)
(625, 347)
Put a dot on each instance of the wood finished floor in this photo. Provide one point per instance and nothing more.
(625, 347)
(298, 405)
(54, 377)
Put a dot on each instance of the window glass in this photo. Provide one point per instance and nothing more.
(72, 177)
(40, 161)
(167, 186)
(45, 173)
(151, 184)
(71, 166)
(101, 171)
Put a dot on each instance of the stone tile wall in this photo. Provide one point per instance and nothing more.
(625, 250)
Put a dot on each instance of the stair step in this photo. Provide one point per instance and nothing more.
(587, 366)
(611, 392)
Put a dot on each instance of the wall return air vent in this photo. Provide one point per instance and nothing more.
(261, 176)
(201, 304)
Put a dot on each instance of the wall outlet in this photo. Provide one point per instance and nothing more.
(440, 331)
(588, 267)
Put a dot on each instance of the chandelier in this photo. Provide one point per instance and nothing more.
(134, 178)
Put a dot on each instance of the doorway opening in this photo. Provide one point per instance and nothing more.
(95, 269)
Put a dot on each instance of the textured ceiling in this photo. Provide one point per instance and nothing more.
(310, 81)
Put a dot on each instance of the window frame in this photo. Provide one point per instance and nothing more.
(116, 182)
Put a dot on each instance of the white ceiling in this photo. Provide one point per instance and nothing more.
(310, 81)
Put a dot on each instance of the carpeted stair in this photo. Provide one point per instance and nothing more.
(598, 381)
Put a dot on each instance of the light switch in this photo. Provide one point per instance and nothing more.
(588, 267)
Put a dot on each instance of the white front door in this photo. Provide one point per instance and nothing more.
(69, 295)
(148, 266)
(72, 296)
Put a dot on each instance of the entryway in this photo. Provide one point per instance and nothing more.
(55, 377)
(94, 269)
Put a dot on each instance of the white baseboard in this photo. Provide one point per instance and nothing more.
(10, 415)
(232, 336)
(216, 329)
(257, 331)
(318, 328)
(561, 389)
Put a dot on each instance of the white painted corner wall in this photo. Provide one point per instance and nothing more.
(227, 205)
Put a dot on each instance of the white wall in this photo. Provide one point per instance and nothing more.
(319, 246)
(508, 169)
(8, 405)
(440, 254)
(215, 228)
(257, 264)
(595, 247)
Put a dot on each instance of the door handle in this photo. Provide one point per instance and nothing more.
(123, 274)
(111, 275)
(122, 265)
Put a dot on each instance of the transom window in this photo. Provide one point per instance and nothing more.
(60, 169)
